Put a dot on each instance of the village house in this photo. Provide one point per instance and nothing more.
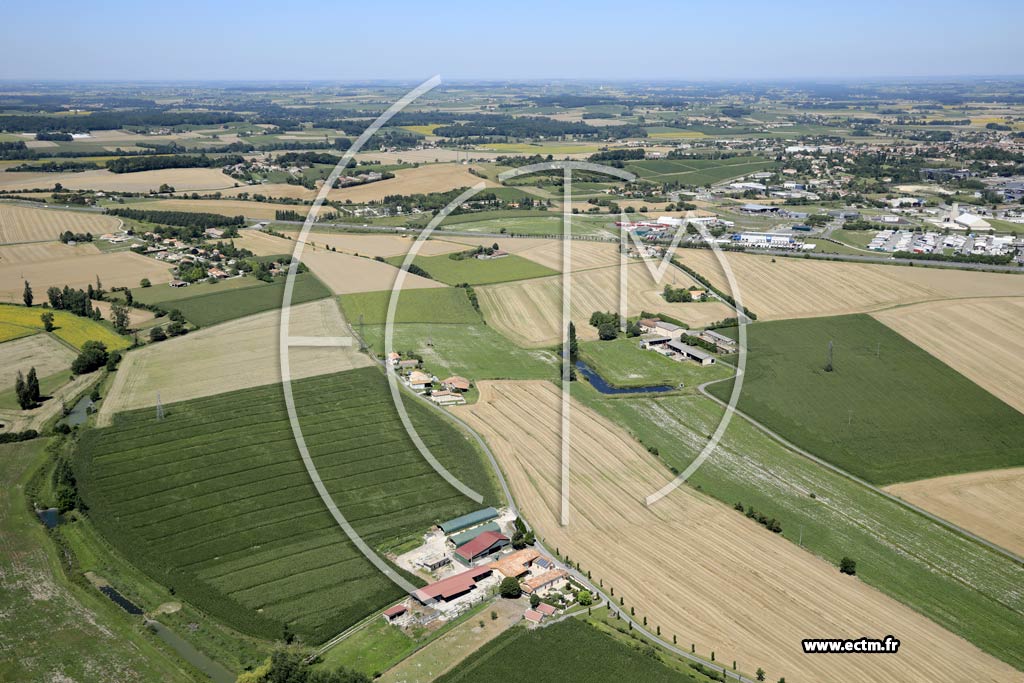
(455, 383)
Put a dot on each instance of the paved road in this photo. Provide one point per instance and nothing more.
(838, 470)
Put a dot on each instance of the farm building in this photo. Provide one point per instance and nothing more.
(723, 343)
(485, 544)
(653, 341)
(533, 616)
(464, 537)
(553, 579)
(659, 326)
(758, 209)
(452, 587)
(447, 398)
(420, 380)
(468, 520)
(434, 562)
(455, 383)
(392, 614)
(516, 564)
(687, 352)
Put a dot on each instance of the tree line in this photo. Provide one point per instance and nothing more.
(152, 163)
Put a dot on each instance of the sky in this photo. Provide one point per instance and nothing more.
(687, 40)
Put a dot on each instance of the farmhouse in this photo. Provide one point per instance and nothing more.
(452, 587)
(487, 543)
(455, 383)
(686, 352)
(516, 564)
(468, 520)
(553, 579)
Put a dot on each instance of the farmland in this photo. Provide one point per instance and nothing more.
(965, 588)
(181, 179)
(725, 597)
(697, 171)
(26, 224)
(888, 412)
(345, 273)
(220, 305)
(515, 223)
(986, 503)
(479, 272)
(41, 351)
(802, 288)
(434, 305)
(384, 246)
(623, 364)
(236, 355)
(570, 648)
(33, 252)
(96, 644)
(225, 207)
(68, 327)
(115, 269)
(530, 312)
(249, 541)
(990, 328)
(421, 180)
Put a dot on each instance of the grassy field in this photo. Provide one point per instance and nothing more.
(697, 171)
(476, 271)
(474, 351)
(215, 305)
(249, 541)
(165, 294)
(441, 305)
(548, 224)
(889, 411)
(569, 650)
(68, 327)
(53, 630)
(624, 364)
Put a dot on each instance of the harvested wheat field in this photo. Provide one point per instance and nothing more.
(136, 316)
(144, 181)
(348, 274)
(41, 351)
(225, 207)
(283, 190)
(992, 330)
(529, 312)
(805, 288)
(423, 156)
(693, 566)
(35, 252)
(235, 355)
(262, 244)
(384, 246)
(25, 224)
(115, 269)
(987, 503)
(584, 255)
(424, 179)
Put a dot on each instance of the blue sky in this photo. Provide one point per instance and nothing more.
(395, 39)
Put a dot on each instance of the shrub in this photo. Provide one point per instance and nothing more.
(848, 566)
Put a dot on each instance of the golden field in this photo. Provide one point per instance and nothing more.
(25, 224)
(695, 567)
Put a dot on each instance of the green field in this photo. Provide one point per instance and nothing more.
(622, 363)
(474, 351)
(697, 171)
(475, 271)
(433, 305)
(215, 305)
(159, 294)
(215, 502)
(549, 224)
(568, 650)
(889, 411)
(52, 629)
(967, 588)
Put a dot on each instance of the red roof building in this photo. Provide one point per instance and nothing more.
(396, 611)
(481, 546)
(533, 615)
(545, 609)
(453, 586)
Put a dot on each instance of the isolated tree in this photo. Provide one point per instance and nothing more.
(585, 598)
(32, 386)
(848, 566)
(144, 282)
(119, 315)
(759, 673)
(607, 332)
(510, 588)
(27, 294)
(20, 392)
(47, 319)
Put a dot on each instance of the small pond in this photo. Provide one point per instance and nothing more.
(599, 383)
(50, 517)
(79, 414)
(190, 654)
